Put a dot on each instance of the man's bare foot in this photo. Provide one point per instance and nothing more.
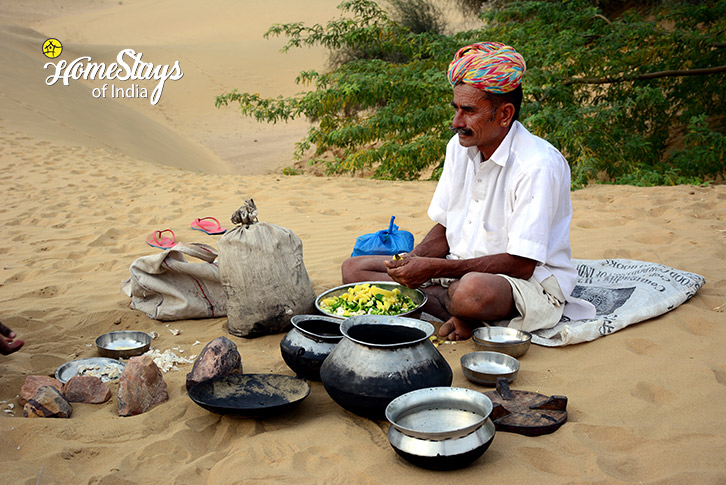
(455, 329)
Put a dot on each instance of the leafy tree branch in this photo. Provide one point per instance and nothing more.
(651, 75)
(383, 107)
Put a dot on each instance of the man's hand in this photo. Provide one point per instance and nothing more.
(7, 343)
(410, 270)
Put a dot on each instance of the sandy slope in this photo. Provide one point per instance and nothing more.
(85, 180)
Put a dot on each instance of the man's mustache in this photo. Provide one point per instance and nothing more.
(462, 131)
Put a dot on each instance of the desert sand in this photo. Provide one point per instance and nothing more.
(84, 180)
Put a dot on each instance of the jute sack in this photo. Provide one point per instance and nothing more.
(263, 275)
(167, 287)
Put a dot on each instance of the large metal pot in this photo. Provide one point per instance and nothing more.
(379, 359)
(310, 341)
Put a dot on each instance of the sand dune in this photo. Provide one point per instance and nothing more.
(84, 180)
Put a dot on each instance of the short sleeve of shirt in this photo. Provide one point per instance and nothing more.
(534, 202)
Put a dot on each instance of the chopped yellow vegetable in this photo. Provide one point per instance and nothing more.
(365, 298)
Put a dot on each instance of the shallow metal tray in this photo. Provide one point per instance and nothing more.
(250, 395)
(103, 367)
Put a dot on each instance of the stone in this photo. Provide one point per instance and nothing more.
(87, 389)
(48, 402)
(219, 357)
(141, 386)
(33, 383)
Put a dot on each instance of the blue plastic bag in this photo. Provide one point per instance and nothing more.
(387, 241)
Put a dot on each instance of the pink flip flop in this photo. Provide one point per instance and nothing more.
(158, 240)
(210, 225)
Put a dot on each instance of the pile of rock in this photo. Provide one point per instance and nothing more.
(141, 386)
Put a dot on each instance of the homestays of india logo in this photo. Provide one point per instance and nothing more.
(129, 66)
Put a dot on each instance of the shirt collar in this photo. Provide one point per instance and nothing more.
(501, 154)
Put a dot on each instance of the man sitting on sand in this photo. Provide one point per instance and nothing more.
(500, 249)
(7, 343)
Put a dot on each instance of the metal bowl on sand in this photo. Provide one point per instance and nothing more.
(123, 344)
(486, 368)
(506, 340)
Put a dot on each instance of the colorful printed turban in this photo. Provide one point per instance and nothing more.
(490, 66)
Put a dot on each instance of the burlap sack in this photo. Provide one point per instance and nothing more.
(263, 275)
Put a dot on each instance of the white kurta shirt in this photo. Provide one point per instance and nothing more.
(517, 202)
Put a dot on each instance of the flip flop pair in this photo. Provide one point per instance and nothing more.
(165, 239)
(210, 225)
(158, 239)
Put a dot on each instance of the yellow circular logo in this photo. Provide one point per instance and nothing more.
(52, 48)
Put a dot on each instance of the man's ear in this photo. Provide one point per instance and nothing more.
(506, 114)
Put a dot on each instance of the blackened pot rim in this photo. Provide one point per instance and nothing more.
(382, 320)
(321, 338)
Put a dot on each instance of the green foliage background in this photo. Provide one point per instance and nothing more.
(385, 106)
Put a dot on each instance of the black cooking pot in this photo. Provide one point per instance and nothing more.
(379, 359)
(310, 341)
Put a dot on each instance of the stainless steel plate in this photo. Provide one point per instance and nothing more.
(105, 368)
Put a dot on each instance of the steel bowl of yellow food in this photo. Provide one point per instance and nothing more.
(123, 344)
(371, 298)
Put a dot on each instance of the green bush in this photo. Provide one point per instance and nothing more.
(618, 96)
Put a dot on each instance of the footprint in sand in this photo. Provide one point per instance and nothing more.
(700, 327)
(329, 212)
(652, 393)
(607, 438)
(642, 346)
(617, 254)
(659, 238)
(720, 374)
(547, 461)
(623, 468)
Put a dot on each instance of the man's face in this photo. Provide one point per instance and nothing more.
(475, 121)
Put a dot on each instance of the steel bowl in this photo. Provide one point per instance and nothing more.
(123, 344)
(487, 367)
(440, 428)
(416, 295)
(506, 340)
